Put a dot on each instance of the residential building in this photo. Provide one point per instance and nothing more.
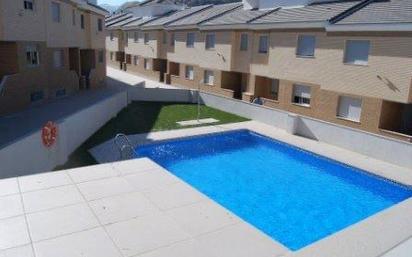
(49, 49)
(345, 62)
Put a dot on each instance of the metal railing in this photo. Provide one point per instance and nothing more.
(126, 149)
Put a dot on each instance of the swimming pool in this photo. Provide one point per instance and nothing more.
(294, 196)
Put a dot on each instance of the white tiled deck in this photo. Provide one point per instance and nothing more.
(131, 208)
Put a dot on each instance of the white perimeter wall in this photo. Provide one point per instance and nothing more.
(77, 128)
(28, 155)
(383, 148)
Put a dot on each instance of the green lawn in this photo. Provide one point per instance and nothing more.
(143, 117)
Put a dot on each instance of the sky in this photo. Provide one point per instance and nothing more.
(111, 2)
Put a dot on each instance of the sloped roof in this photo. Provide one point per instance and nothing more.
(124, 22)
(380, 12)
(311, 13)
(119, 19)
(206, 14)
(164, 20)
(139, 22)
(238, 16)
(115, 16)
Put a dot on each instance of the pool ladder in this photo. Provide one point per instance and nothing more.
(125, 147)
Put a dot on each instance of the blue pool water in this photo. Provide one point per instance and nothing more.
(294, 196)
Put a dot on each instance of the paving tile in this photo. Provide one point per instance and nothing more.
(134, 166)
(104, 187)
(13, 232)
(239, 240)
(151, 179)
(51, 198)
(174, 195)
(187, 248)
(20, 251)
(90, 243)
(60, 221)
(92, 173)
(143, 234)
(8, 186)
(10, 206)
(43, 181)
(122, 207)
(202, 217)
(402, 250)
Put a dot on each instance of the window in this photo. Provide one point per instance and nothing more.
(210, 41)
(306, 46)
(164, 37)
(209, 77)
(357, 52)
(99, 24)
(349, 108)
(172, 39)
(55, 10)
(111, 56)
(274, 88)
(29, 5)
(82, 21)
(37, 96)
(146, 64)
(244, 42)
(263, 44)
(111, 36)
(190, 39)
(146, 38)
(189, 72)
(135, 60)
(301, 95)
(136, 36)
(32, 56)
(74, 17)
(61, 92)
(58, 59)
(100, 56)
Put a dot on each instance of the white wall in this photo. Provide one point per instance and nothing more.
(383, 148)
(75, 129)
(72, 132)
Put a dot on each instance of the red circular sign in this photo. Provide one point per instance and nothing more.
(49, 134)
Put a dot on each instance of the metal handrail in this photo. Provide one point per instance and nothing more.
(123, 143)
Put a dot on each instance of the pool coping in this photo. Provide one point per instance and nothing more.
(372, 236)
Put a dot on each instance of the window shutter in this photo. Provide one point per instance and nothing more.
(350, 108)
(301, 91)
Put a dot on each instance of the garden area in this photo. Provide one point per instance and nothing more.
(144, 117)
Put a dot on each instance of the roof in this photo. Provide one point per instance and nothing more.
(206, 14)
(176, 16)
(380, 12)
(115, 16)
(139, 22)
(98, 7)
(119, 19)
(311, 13)
(238, 16)
(124, 22)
